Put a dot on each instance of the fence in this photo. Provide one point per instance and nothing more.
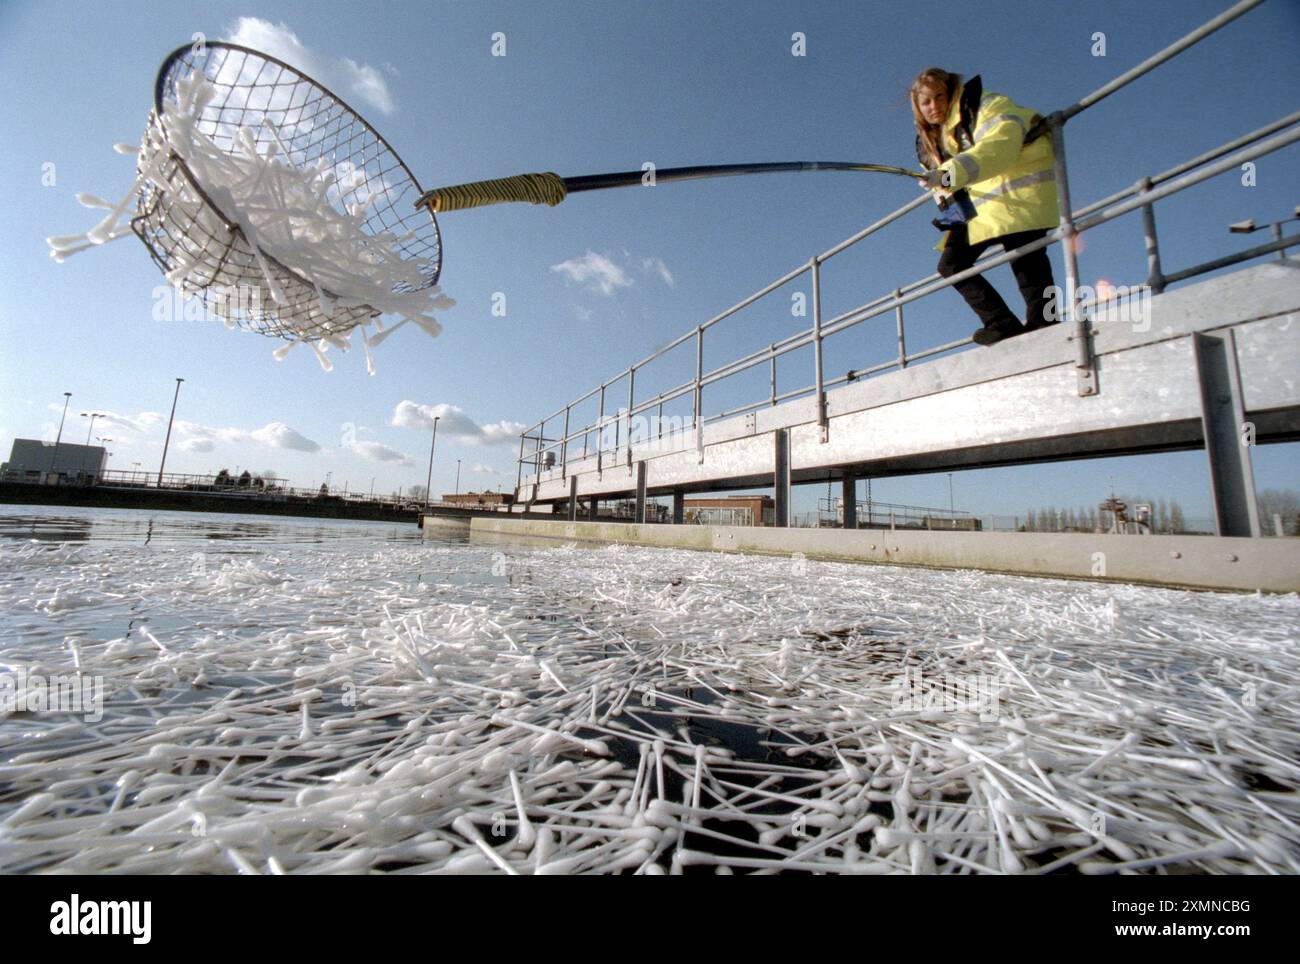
(614, 432)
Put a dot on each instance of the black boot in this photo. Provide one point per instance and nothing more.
(992, 334)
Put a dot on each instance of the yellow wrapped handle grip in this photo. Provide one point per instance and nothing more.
(546, 188)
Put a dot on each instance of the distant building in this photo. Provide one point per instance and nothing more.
(478, 500)
(732, 510)
(32, 460)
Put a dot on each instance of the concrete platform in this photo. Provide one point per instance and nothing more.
(1190, 562)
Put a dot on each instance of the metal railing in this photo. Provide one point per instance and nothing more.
(256, 488)
(871, 514)
(553, 452)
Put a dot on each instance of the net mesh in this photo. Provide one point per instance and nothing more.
(191, 239)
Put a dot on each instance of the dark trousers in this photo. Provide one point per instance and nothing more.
(1033, 275)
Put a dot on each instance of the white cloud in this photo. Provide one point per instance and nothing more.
(274, 435)
(482, 469)
(596, 271)
(138, 423)
(198, 445)
(277, 435)
(379, 453)
(657, 265)
(503, 431)
(454, 423)
(355, 83)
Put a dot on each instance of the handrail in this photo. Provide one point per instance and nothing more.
(1155, 60)
(1141, 195)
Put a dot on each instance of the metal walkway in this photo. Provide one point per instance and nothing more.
(1221, 360)
(1208, 365)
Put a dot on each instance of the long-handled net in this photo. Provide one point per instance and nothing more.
(263, 194)
(345, 245)
(551, 189)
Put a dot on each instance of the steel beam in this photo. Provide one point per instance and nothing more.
(849, 499)
(640, 492)
(1228, 436)
(781, 476)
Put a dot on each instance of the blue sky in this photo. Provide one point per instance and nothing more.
(608, 276)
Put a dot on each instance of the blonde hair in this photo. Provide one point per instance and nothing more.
(930, 135)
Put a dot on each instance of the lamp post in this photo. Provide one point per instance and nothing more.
(107, 454)
(458, 476)
(67, 396)
(92, 416)
(950, 508)
(168, 439)
(1249, 227)
(428, 485)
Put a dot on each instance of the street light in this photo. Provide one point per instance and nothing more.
(458, 476)
(428, 485)
(92, 416)
(67, 396)
(168, 439)
(1249, 227)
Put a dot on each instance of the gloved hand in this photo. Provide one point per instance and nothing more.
(937, 178)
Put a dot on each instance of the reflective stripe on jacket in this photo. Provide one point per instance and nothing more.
(1012, 184)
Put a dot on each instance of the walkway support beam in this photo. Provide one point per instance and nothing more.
(781, 480)
(1228, 436)
(849, 499)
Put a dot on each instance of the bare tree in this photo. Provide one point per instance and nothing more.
(1176, 524)
(1282, 502)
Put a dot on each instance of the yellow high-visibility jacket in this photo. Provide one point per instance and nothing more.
(1011, 184)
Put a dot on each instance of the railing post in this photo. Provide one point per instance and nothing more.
(772, 349)
(1087, 377)
(699, 391)
(1155, 277)
(600, 430)
(815, 265)
(564, 447)
(631, 395)
(902, 341)
(519, 474)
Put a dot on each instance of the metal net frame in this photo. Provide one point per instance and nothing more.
(186, 232)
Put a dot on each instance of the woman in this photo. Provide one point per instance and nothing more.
(993, 187)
